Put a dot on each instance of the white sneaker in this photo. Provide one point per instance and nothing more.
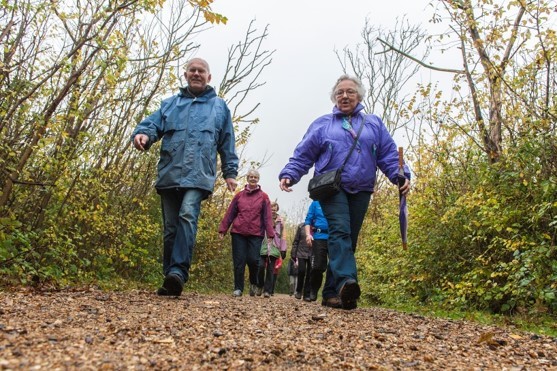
(237, 293)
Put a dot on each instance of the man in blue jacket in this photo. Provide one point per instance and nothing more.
(194, 126)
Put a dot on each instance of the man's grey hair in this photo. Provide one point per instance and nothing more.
(203, 61)
(359, 87)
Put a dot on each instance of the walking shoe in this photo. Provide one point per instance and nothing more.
(266, 295)
(258, 291)
(252, 289)
(333, 302)
(312, 296)
(306, 298)
(349, 294)
(298, 295)
(237, 293)
(171, 286)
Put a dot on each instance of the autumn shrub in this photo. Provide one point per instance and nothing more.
(487, 243)
(481, 236)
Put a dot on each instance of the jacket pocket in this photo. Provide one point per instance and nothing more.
(172, 143)
(322, 163)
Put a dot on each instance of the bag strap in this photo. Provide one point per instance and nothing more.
(353, 144)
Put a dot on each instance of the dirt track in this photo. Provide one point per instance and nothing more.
(138, 330)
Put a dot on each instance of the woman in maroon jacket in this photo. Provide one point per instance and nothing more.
(250, 215)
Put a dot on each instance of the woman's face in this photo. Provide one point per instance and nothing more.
(346, 96)
(253, 179)
(274, 209)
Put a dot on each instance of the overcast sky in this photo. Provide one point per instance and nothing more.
(304, 34)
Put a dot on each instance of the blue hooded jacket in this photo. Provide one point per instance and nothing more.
(193, 130)
(326, 144)
(317, 221)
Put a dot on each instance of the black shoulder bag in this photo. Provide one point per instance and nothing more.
(326, 185)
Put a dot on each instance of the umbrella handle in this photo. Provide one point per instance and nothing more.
(400, 158)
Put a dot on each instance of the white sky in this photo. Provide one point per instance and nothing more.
(304, 34)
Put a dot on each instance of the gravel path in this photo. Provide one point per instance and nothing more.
(138, 330)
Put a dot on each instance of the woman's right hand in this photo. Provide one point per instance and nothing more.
(285, 185)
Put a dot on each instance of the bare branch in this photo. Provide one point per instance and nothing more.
(421, 63)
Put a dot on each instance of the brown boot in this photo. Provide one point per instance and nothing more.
(333, 302)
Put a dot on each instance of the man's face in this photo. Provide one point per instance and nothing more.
(197, 76)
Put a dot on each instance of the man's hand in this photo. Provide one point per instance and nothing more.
(231, 184)
(285, 185)
(140, 141)
(309, 240)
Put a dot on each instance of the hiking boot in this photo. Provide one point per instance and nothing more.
(312, 296)
(237, 293)
(266, 295)
(306, 298)
(349, 294)
(298, 295)
(333, 302)
(252, 289)
(258, 291)
(171, 286)
(161, 291)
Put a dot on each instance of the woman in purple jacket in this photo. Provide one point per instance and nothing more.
(250, 215)
(326, 144)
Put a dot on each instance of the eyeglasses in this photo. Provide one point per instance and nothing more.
(349, 92)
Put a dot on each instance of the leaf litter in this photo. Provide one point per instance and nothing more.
(93, 329)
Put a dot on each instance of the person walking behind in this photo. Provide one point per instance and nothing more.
(327, 144)
(301, 253)
(276, 271)
(195, 125)
(269, 253)
(316, 228)
(251, 218)
(292, 268)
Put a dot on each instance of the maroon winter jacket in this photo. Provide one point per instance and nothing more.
(249, 213)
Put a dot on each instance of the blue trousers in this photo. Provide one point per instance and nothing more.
(180, 211)
(245, 250)
(345, 214)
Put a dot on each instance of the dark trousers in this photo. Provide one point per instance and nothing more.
(245, 250)
(318, 264)
(345, 214)
(304, 277)
(265, 273)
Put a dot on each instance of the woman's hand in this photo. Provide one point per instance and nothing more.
(309, 240)
(285, 185)
(405, 188)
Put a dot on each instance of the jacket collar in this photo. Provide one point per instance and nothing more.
(249, 190)
(358, 109)
(207, 94)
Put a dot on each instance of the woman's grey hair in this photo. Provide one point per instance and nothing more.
(360, 87)
(254, 172)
